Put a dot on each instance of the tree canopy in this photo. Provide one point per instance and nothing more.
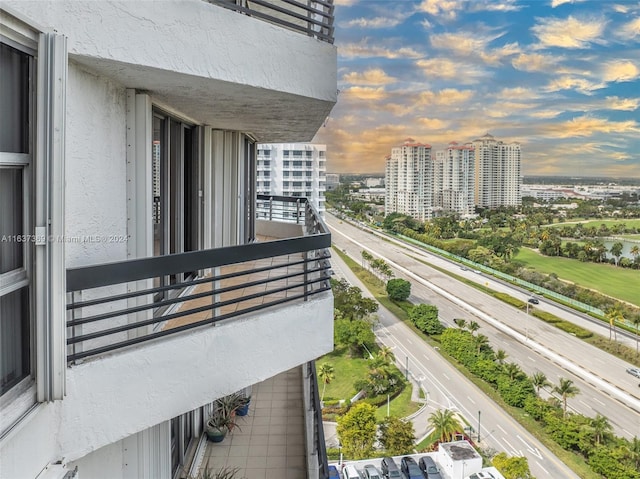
(398, 289)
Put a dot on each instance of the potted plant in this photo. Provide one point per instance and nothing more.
(243, 408)
(217, 426)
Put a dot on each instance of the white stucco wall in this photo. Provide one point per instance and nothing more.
(116, 396)
(95, 169)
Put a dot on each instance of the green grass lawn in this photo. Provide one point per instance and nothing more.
(631, 223)
(610, 280)
(347, 370)
(401, 406)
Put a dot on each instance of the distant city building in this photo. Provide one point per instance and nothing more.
(497, 173)
(293, 169)
(332, 181)
(373, 182)
(409, 180)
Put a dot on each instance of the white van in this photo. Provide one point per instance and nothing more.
(350, 472)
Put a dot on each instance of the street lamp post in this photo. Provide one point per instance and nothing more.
(478, 426)
(406, 374)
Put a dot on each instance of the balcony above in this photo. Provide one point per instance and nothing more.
(230, 69)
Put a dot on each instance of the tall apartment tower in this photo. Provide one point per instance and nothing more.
(497, 173)
(409, 180)
(293, 169)
(458, 179)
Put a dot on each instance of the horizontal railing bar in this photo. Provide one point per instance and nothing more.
(106, 274)
(299, 5)
(129, 326)
(185, 284)
(279, 21)
(190, 297)
(185, 327)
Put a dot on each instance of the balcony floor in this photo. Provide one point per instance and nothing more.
(246, 291)
(270, 443)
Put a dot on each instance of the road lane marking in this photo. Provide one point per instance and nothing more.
(540, 466)
(498, 426)
(469, 398)
(424, 355)
(447, 377)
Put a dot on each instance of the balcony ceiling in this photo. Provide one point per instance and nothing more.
(271, 116)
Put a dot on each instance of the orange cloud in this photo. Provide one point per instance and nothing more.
(568, 33)
(365, 93)
(373, 76)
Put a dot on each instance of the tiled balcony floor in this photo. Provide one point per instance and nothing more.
(270, 443)
(249, 268)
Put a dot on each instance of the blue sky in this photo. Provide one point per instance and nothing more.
(560, 77)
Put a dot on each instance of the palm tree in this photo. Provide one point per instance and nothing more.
(501, 355)
(565, 389)
(636, 322)
(635, 251)
(461, 323)
(473, 326)
(444, 423)
(601, 427)
(387, 354)
(614, 314)
(539, 380)
(512, 370)
(634, 451)
(481, 341)
(326, 375)
(616, 251)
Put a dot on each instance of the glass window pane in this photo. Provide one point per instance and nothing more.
(14, 338)
(11, 220)
(14, 100)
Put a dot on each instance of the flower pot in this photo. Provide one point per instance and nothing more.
(243, 410)
(216, 435)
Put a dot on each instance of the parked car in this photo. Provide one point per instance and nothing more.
(634, 372)
(428, 467)
(333, 472)
(350, 472)
(371, 472)
(410, 468)
(482, 475)
(389, 468)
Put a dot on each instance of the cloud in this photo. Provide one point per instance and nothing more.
(461, 72)
(448, 96)
(373, 76)
(442, 8)
(362, 49)
(620, 71)
(534, 62)
(376, 22)
(568, 33)
(556, 3)
(545, 114)
(584, 126)
(630, 30)
(624, 104)
(464, 45)
(365, 93)
(433, 123)
(517, 93)
(494, 6)
(566, 82)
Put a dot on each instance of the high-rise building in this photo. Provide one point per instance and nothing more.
(293, 169)
(497, 173)
(409, 180)
(139, 283)
(457, 185)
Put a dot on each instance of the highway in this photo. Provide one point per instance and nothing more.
(534, 345)
(447, 388)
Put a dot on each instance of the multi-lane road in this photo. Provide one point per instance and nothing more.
(535, 346)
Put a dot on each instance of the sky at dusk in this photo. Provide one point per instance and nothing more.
(560, 77)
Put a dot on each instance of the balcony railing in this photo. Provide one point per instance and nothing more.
(311, 17)
(318, 430)
(115, 305)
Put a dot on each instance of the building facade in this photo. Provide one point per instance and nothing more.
(293, 169)
(128, 223)
(409, 180)
(497, 173)
(458, 178)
